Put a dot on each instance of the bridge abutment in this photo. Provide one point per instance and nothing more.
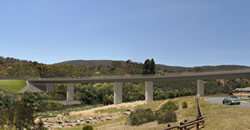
(149, 91)
(200, 88)
(117, 92)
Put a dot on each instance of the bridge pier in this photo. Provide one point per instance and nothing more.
(70, 92)
(149, 91)
(117, 92)
(70, 95)
(50, 87)
(200, 88)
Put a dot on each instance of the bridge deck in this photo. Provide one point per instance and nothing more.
(141, 78)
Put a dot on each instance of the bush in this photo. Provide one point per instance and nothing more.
(184, 105)
(165, 116)
(50, 105)
(140, 116)
(170, 105)
(15, 112)
(87, 127)
(171, 94)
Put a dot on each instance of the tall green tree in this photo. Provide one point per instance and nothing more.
(152, 66)
(148, 67)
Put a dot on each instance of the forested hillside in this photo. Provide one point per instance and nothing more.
(15, 68)
(159, 67)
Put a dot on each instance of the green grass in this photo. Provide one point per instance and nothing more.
(12, 85)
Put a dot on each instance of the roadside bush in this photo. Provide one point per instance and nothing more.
(171, 94)
(48, 105)
(140, 116)
(184, 105)
(108, 99)
(87, 127)
(170, 105)
(165, 116)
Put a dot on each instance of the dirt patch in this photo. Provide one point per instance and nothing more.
(118, 106)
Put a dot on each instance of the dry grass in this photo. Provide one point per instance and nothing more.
(217, 117)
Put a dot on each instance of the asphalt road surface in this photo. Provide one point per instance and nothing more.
(218, 100)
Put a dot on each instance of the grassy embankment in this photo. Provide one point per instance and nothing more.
(217, 117)
(12, 85)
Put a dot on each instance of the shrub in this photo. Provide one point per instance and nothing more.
(184, 105)
(171, 94)
(50, 105)
(165, 116)
(15, 112)
(170, 105)
(87, 127)
(140, 116)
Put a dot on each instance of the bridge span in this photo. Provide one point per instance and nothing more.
(47, 84)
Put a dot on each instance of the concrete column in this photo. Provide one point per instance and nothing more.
(50, 87)
(70, 92)
(149, 91)
(200, 88)
(117, 92)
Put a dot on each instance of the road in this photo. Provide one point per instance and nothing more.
(218, 100)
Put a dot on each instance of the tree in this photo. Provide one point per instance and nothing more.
(148, 67)
(152, 66)
(16, 113)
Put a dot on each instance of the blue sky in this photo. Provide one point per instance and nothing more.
(173, 32)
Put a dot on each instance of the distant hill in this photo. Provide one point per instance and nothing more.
(88, 63)
(161, 67)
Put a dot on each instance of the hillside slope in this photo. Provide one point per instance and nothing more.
(162, 67)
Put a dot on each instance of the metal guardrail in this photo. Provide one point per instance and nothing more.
(186, 125)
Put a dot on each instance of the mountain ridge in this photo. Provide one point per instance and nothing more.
(89, 63)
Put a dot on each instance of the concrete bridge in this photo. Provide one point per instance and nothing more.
(47, 84)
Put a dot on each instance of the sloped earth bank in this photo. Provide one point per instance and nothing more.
(217, 117)
(92, 116)
(113, 117)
